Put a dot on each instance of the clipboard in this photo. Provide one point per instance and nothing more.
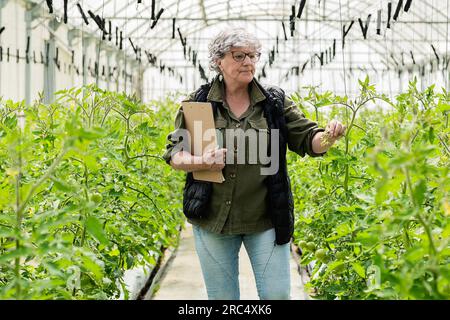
(199, 118)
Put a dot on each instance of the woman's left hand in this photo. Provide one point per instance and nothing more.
(324, 140)
(335, 129)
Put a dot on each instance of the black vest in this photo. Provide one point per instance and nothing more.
(197, 194)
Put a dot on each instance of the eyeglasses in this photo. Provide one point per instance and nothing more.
(239, 56)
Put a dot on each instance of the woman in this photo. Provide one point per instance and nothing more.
(249, 207)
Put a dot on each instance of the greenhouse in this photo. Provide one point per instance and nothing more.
(144, 157)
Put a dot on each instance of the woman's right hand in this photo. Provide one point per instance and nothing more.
(215, 159)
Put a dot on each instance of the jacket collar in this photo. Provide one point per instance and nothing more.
(217, 92)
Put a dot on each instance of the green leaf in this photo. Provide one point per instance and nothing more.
(415, 255)
(91, 133)
(8, 232)
(366, 238)
(92, 163)
(114, 253)
(306, 259)
(95, 228)
(335, 264)
(419, 191)
(359, 269)
(61, 185)
(347, 209)
(17, 253)
(93, 267)
(343, 229)
(442, 107)
(446, 231)
(146, 129)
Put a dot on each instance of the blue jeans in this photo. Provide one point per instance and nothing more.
(219, 255)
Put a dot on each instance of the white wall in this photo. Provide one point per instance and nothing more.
(13, 75)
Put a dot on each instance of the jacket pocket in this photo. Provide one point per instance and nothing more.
(258, 149)
(259, 124)
(221, 125)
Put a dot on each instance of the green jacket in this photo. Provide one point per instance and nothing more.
(239, 204)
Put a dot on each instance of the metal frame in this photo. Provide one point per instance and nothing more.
(204, 7)
(410, 24)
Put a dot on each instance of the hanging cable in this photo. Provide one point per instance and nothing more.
(446, 52)
(343, 54)
(321, 52)
(100, 43)
(397, 11)
(300, 9)
(431, 37)
(65, 11)
(50, 5)
(82, 46)
(157, 18)
(387, 59)
(83, 15)
(407, 5)
(124, 51)
(347, 117)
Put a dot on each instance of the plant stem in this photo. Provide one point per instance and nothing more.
(346, 179)
(444, 144)
(74, 99)
(418, 215)
(405, 231)
(145, 195)
(86, 195)
(20, 207)
(40, 181)
(19, 223)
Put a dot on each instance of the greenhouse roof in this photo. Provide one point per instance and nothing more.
(376, 36)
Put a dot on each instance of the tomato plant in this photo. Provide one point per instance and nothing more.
(78, 205)
(378, 202)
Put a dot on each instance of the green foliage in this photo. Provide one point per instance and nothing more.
(78, 203)
(377, 206)
(84, 195)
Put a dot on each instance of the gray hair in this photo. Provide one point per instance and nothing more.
(225, 40)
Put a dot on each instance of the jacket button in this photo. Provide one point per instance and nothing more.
(238, 125)
(232, 175)
(228, 202)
